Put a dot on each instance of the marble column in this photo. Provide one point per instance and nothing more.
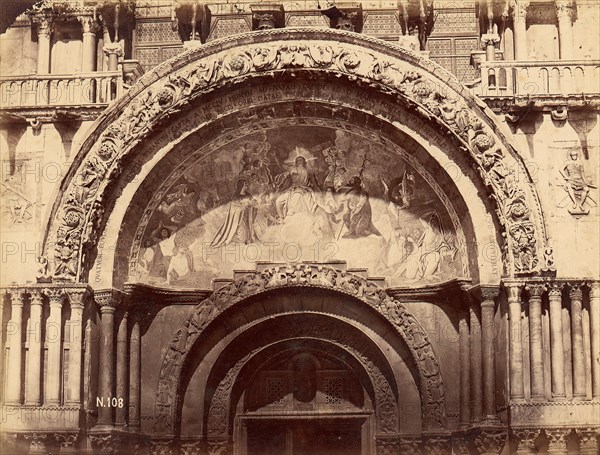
(519, 16)
(122, 372)
(33, 375)
(77, 302)
(536, 349)
(135, 378)
(476, 360)
(45, 27)
(595, 337)
(489, 41)
(106, 383)
(488, 353)
(556, 342)
(89, 27)
(517, 390)
(579, 376)
(15, 333)
(54, 343)
(465, 369)
(564, 12)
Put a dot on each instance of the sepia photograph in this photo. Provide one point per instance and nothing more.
(300, 227)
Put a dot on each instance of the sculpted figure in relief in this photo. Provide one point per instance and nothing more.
(577, 184)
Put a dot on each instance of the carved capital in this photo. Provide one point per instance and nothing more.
(490, 39)
(219, 448)
(525, 439)
(489, 440)
(106, 443)
(564, 9)
(410, 445)
(55, 295)
(588, 440)
(66, 440)
(575, 293)
(488, 294)
(16, 296)
(36, 297)
(519, 10)
(513, 292)
(37, 442)
(437, 444)
(107, 300)
(535, 290)
(113, 49)
(44, 25)
(77, 297)
(557, 439)
(88, 24)
(555, 290)
(387, 445)
(595, 290)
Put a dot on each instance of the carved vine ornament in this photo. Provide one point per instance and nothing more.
(81, 216)
(431, 386)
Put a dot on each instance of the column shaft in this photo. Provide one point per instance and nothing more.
(520, 29)
(106, 380)
(135, 376)
(595, 337)
(489, 367)
(15, 332)
(515, 347)
(465, 369)
(564, 11)
(34, 358)
(75, 347)
(476, 360)
(579, 383)
(122, 372)
(54, 343)
(556, 343)
(536, 354)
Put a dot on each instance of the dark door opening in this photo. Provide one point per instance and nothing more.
(321, 436)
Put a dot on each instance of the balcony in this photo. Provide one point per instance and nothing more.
(550, 84)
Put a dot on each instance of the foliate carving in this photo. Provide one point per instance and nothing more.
(106, 443)
(36, 297)
(55, 295)
(37, 442)
(192, 448)
(588, 440)
(519, 10)
(114, 49)
(163, 447)
(437, 444)
(525, 439)
(575, 293)
(81, 217)
(410, 444)
(490, 39)
(431, 384)
(66, 440)
(88, 24)
(107, 300)
(489, 440)
(557, 439)
(387, 445)
(460, 444)
(44, 24)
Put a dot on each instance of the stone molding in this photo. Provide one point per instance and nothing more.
(173, 85)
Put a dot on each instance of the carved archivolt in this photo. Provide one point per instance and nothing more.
(431, 386)
(386, 406)
(431, 91)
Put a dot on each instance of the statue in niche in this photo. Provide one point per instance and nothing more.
(577, 185)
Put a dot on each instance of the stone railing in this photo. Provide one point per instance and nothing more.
(55, 90)
(541, 81)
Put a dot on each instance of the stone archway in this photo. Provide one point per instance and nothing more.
(322, 329)
(431, 386)
(79, 215)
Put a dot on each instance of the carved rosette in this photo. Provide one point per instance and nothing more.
(431, 384)
(80, 217)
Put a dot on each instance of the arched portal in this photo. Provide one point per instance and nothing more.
(198, 92)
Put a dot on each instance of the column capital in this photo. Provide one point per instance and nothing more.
(16, 296)
(557, 438)
(55, 295)
(77, 296)
(588, 439)
(535, 290)
(554, 289)
(513, 292)
(107, 299)
(525, 438)
(575, 293)
(113, 49)
(36, 297)
(88, 24)
(519, 9)
(43, 24)
(490, 39)
(564, 9)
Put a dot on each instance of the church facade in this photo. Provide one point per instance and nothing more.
(300, 227)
